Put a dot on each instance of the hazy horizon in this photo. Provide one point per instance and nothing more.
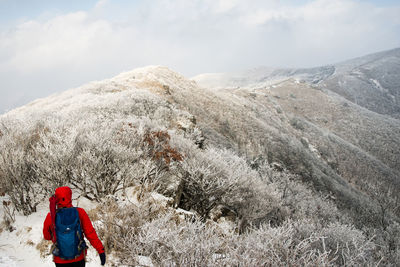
(49, 46)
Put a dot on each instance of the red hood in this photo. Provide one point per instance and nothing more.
(64, 197)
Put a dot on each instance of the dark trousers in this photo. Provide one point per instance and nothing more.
(72, 264)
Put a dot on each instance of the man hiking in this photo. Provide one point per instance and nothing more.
(66, 226)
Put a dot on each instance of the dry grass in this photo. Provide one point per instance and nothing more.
(94, 213)
(155, 87)
(44, 247)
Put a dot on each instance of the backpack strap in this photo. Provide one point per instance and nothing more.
(82, 244)
(53, 209)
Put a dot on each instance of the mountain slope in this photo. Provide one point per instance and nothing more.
(371, 82)
(358, 140)
(310, 132)
(276, 150)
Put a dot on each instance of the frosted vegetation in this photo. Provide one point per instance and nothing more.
(167, 193)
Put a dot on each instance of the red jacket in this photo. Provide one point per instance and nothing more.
(64, 196)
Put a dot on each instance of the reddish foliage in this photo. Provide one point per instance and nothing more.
(169, 154)
(157, 137)
(161, 149)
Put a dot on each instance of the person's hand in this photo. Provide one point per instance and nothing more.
(102, 258)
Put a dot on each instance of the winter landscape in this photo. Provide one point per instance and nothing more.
(261, 167)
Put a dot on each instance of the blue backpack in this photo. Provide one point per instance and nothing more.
(70, 241)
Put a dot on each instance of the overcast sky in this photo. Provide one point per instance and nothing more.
(48, 46)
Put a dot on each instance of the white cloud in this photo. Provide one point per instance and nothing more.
(190, 37)
(60, 42)
(200, 27)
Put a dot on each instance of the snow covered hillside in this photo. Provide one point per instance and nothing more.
(252, 170)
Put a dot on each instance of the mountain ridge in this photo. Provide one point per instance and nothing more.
(276, 153)
(222, 127)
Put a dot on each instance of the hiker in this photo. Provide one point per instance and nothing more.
(70, 225)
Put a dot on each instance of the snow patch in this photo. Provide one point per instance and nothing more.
(6, 261)
(145, 261)
(377, 84)
(84, 203)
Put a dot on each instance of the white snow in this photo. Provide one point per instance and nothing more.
(7, 261)
(377, 85)
(145, 261)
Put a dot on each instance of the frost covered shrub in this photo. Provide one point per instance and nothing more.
(161, 155)
(119, 154)
(98, 156)
(343, 244)
(346, 245)
(118, 221)
(54, 158)
(34, 160)
(148, 229)
(388, 244)
(298, 198)
(303, 243)
(210, 180)
(278, 246)
(167, 241)
(171, 241)
(99, 165)
(104, 157)
(18, 165)
(19, 179)
(213, 177)
(302, 203)
(387, 198)
(115, 221)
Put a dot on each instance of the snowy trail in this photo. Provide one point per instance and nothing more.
(18, 248)
(7, 261)
(26, 258)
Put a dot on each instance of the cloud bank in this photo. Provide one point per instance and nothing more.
(52, 53)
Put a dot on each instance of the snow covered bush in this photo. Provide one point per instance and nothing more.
(167, 241)
(115, 216)
(170, 240)
(346, 245)
(53, 157)
(214, 177)
(388, 244)
(267, 246)
(18, 164)
(100, 165)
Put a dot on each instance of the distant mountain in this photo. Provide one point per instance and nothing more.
(263, 76)
(370, 81)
